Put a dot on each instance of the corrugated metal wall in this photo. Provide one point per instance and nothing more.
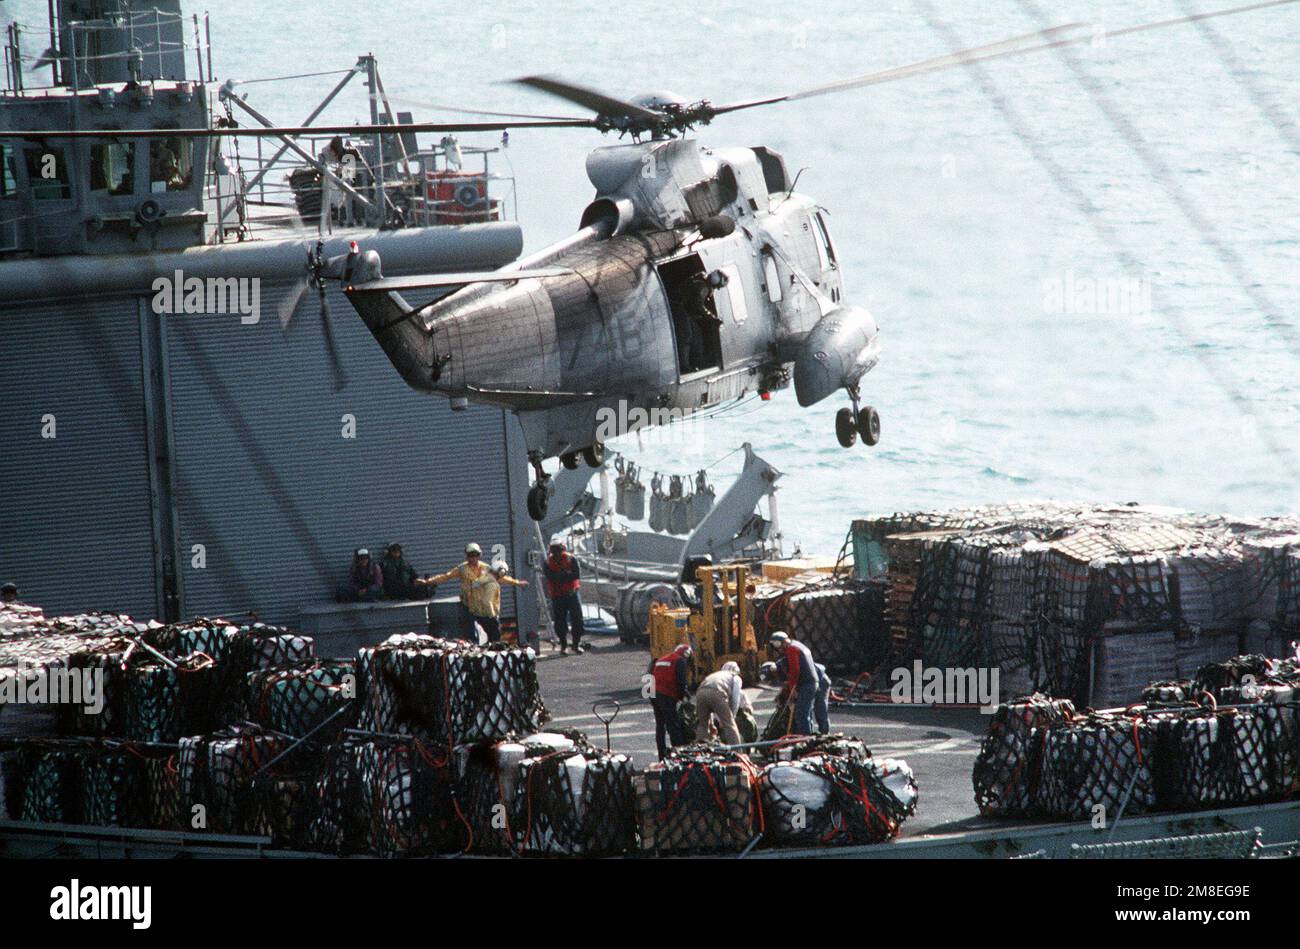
(262, 475)
(76, 527)
(276, 493)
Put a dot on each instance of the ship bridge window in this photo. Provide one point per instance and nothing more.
(47, 173)
(8, 185)
(171, 164)
(112, 168)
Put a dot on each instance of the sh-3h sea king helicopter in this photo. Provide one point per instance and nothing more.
(697, 275)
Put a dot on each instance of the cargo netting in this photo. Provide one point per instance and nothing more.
(1230, 736)
(827, 800)
(548, 793)
(700, 799)
(1087, 602)
(449, 691)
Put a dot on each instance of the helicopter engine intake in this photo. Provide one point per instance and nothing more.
(842, 347)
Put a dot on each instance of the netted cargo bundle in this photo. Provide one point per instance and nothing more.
(164, 702)
(216, 771)
(450, 690)
(1101, 761)
(212, 638)
(114, 788)
(1126, 662)
(1268, 565)
(698, 800)
(1211, 585)
(1209, 758)
(43, 781)
(833, 624)
(1059, 585)
(489, 785)
(285, 807)
(1013, 650)
(409, 799)
(1214, 677)
(947, 605)
(1007, 598)
(163, 791)
(826, 800)
(1169, 692)
(260, 646)
(301, 699)
(104, 660)
(1009, 765)
(576, 804)
(339, 822)
(1133, 589)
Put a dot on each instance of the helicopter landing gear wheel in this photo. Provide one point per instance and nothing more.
(594, 455)
(845, 430)
(539, 493)
(570, 460)
(868, 425)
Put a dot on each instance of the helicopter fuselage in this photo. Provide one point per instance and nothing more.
(700, 276)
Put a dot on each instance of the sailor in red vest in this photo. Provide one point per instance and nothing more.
(670, 674)
(794, 663)
(562, 583)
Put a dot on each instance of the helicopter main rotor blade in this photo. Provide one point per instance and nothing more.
(588, 98)
(1015, 46)
(289, 305)
(296, 130)
(441, 107)
(331, 346)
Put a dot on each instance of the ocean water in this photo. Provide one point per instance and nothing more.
(972, 211)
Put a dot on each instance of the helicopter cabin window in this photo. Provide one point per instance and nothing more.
(112, 168)
(729, 299)
(771, 278)
(693, 306)
(47, 173)
(825, 250)
(171, 164)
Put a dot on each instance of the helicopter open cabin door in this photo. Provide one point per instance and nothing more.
(694, 309)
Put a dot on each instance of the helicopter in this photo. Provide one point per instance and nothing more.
(698, 275)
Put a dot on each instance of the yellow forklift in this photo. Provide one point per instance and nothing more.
(718, 630)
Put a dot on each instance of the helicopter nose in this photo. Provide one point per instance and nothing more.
(840, 349)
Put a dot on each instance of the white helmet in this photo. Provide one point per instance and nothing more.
(778, 638)
(731, 667)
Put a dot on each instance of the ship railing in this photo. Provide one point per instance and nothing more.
(1225, 845)
(67, 65)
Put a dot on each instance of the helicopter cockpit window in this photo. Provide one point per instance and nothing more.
(47, 173)
(112, 168)
(171, 164)
(772, 278)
